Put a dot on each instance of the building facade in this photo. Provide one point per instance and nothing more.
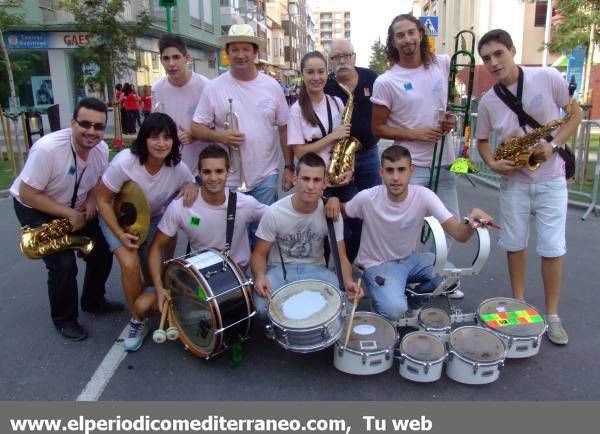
(331, 24)
(48, 40)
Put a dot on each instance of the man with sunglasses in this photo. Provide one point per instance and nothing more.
(57, 182)
(366, 171)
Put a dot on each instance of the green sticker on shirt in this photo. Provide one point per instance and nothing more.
(195, 221)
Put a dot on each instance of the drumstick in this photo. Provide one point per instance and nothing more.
(159, 335)
(351, 317)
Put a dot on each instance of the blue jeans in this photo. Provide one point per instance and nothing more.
(294, 272)
(366, 170)
(265, 192)
(386, 283)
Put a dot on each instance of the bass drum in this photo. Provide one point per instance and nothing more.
(211, 302)
(370, 345)
(518, 324)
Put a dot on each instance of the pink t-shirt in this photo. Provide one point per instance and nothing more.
(391, 229)
(51, 169)
(544, 92)
(159, 188)
(180, 103)
(300, 131)
(260, 106)
(413, 96)
(205, 225)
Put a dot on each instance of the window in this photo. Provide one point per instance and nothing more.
(540, 13)
(208, 12)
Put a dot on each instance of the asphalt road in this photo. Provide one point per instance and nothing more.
(38, 364)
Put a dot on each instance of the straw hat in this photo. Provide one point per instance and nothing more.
(242, 33)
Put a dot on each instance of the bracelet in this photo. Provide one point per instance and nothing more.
(291, 167)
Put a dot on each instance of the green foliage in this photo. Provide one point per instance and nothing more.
(377, 61)
(573, 29)
(112, 38)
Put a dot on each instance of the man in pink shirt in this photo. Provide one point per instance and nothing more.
(543, 192)
(392, 217)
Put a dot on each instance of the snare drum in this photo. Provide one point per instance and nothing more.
(422, 356)
(370, 347)
(211, 301)
(475, 355)
(305, 316)
(435, 321)
(517, 323)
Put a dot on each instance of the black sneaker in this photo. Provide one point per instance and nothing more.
(72, 331)
(105, 306)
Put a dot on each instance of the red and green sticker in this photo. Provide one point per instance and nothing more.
(512, 318)
(201, 294)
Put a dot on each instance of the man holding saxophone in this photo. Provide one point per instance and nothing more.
(57, 182)
(257, 105)
(523, 191)
(407, 102)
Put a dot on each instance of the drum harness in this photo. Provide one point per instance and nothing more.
(334, 251)
(231, 208)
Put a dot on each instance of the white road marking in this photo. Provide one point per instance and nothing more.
(106, 370)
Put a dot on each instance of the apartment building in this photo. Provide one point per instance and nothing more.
(331, 24)
(48, 38)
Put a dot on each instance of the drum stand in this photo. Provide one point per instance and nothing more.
(439, 269)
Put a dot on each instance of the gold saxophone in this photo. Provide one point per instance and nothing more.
(344, 150)
(51, 238)
(518, 149)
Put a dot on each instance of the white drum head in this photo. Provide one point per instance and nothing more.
(422, 346)
(304, 304)
(434, 318)
(370, 333)
(477, 344)
(511, 317)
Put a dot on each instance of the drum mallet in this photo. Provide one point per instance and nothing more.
(351, 317)
(172, 331)
(159, 336)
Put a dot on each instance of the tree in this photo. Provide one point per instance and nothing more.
(377, 61)
(7, 19)
(111, 37)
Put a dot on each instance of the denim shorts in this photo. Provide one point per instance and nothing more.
(547, 201)
(114, 243)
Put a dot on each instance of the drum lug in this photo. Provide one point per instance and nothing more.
(341, 351)
(364, 358)
(325, 333)
(387, 355)
(510, 343)
(285, 336)
(536, 343)
(500, 364)
(475, 368)
(427, 367)
(449, 356)
(269, 331)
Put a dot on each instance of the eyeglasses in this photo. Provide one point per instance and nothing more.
(344, 56)
(86, 125)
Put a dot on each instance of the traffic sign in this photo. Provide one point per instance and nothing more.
(167, 3)
(430, 24)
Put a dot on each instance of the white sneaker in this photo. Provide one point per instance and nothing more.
(451, 288)
(137, 333)
(556, 333)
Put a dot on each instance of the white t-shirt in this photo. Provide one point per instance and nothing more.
(205, 225)
(159, 189)
(391, 229)
(544, 92)
(50, 168)
(260, 106)
(300, 235)
(180, 102)
(413, 96)
(300, 131)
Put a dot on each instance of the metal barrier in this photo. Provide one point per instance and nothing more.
(587, 165)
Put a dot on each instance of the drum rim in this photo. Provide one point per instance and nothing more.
(452, 350)
(531, 337)
(442, 357)
(371, 353)
(329, 321)
(217, 341)
(425, 327)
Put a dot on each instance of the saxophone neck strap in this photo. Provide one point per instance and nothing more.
(515, 103)
(329, 120)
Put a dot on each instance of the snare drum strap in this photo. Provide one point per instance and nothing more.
(231, 207)
(334, 251)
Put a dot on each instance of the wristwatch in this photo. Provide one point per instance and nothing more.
(555, 147)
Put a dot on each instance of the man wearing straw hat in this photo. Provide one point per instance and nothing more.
(259, 105)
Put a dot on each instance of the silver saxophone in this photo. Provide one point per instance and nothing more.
(235, 155)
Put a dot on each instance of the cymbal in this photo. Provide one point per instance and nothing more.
(132, 211)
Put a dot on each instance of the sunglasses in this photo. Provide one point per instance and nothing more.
(86, 125)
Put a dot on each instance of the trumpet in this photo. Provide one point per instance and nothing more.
(235, 155)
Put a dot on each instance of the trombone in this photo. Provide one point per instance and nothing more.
(235, 155)
(453, 106)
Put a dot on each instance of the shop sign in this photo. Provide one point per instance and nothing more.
(45, 40)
